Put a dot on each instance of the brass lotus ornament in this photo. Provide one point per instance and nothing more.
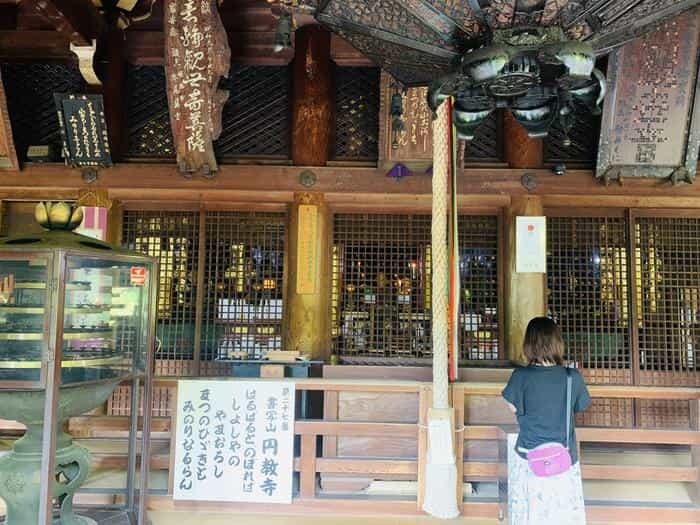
(58, 215)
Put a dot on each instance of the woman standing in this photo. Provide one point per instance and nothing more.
(545, 477)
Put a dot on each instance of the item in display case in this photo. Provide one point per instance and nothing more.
(72, 327)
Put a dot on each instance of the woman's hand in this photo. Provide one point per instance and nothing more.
(512, 408)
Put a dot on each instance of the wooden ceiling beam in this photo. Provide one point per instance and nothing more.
(34, 45)
(77, 20)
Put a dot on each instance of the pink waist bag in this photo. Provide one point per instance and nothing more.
(550, 459)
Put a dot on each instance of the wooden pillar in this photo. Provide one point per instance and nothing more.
(312, 105)
(695, 449)
(309, 277)
(521, 151)
(525, 292)
(111, 68)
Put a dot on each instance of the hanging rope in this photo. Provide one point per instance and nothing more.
(441, 168)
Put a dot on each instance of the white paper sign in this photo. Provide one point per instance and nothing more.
(234, 441)
(530, 244)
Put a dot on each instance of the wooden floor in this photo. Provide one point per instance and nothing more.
(206, 518)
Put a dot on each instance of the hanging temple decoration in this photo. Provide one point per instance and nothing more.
(536, 58)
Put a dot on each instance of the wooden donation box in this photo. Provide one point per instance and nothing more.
(651, 119)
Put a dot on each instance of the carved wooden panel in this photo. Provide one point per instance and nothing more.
(651, 124)
(197, 54)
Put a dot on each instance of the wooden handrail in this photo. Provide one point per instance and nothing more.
(596, 391)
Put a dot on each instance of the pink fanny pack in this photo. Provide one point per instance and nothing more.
(550, 459)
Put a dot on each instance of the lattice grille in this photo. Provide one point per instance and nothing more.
(588, 293)
(256, 116)
(244, 279)
(382, 290)
(147, 114)
(478, 259)
(487, 145)
(381, 285)
(357, 113)
(255, 119)
(173, 238)
(584, 140)
(29, 89)
(668, 297)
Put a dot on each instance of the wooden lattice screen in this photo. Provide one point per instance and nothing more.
(487, 145)
(244, 284)
(629, 306)
(356, 113)
(29, 89)
(584, 135)
(255, 119)
(173, 238)
(381, 293)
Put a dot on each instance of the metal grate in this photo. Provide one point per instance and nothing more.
(147, 113)
(588, 293)
(244, 284)
(478, 261)
(29, 89)
(256, 116)
(487, 145)
(668, 296)
(380, 303)
(357, 113)
(173, 238)
(584, 140)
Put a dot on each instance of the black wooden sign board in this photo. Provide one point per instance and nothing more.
(83, 129)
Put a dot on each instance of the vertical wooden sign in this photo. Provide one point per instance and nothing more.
(307, 244)
(197, 55)
(651, 120)
(8, 155)
(414, 145)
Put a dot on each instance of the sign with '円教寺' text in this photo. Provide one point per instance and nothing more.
(234, 441)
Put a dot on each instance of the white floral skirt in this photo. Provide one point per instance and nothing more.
(532, 500)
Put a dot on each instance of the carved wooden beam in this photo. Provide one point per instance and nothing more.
(197, 55)
(78, 20)
(33, 45)
(8, 155)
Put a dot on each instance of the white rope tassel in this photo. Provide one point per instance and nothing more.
(441, 471)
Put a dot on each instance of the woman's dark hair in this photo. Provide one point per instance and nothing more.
(543, 342)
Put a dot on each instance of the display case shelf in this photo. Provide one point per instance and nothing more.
(67, 336)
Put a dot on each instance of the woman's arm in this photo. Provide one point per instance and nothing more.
(511, 407)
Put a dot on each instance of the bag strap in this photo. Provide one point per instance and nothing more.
(568, 405)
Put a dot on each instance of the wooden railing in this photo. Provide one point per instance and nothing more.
(485, 419)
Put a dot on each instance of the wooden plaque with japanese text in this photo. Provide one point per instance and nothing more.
(197, 55)
(83, 130)
(651, 119)
(414, 145)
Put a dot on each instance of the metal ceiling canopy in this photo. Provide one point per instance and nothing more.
(418, 40)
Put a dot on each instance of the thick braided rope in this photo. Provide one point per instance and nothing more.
(441, 164)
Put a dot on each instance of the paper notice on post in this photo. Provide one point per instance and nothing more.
(440, 442)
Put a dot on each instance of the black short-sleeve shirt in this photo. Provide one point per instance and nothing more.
(539, 395)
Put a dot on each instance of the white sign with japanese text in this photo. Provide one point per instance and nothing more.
(234, 441)
(530, 244)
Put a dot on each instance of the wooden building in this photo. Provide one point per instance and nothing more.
(244, 271)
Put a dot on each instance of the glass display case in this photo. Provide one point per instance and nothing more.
(76, 318)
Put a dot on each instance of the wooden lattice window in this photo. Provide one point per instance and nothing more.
(29, 89)
(356, 113)
(255, 118)
(667, 288)
(381, 293)
(588, 293)
(147, 114)
(479, 336)
(173, 238)
(244, 284)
